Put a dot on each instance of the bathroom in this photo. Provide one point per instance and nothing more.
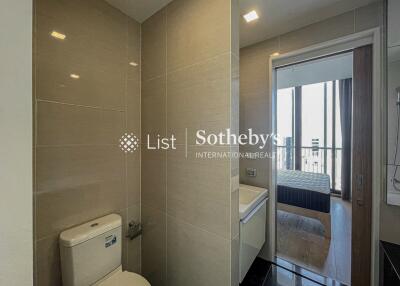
(105, 137)
(100, 74)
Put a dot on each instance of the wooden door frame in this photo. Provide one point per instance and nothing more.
(361, 170)
(369, 37)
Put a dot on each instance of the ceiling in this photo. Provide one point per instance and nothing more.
(281, 16)
(276, 16)
(139, 10)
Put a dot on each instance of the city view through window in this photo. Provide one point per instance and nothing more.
(319, 128)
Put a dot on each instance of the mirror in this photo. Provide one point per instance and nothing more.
(393, 103)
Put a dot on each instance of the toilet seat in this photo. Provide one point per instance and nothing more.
(125, 278)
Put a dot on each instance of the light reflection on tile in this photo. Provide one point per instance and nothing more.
(87, 94)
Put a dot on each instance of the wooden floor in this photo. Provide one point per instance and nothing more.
(301, 241)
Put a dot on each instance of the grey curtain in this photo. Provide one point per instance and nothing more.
(345, 99)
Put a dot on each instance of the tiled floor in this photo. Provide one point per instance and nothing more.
(263, 273)
(301, 241)
(296, 274)
(258, 273)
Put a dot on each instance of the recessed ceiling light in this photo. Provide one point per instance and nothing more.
(251, 16)
(275, 54)
(74, 76)
(58, 35)
(133, 64)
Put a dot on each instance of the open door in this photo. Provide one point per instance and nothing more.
(362, 167)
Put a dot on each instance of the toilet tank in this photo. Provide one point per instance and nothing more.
(90, 251)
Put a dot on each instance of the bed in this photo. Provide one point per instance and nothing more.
(306, 194)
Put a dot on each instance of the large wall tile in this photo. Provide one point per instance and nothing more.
(261, 165)
(370, 16)
(197, 30)
(154, 96)
(199, 98)
(80, 172)
(133, 177)
(199, 189)
(133, 246)
(133, 105)
(234, 167)
(94, 87)
(187, 83)
(109, 26)
(64, 124)
(153, 175)
(154, 164)
(235, 220)
(154, 259)
(134, 47)
(76, 184)
(254, 68)
(124, 255)
(235, 249)
(95, 48)
(235, 30)
(256, 114)
(329, 29)
(154, 46)
(235, 94)
(48, 268)
(196, 257)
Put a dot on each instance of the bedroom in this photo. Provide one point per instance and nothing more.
(313, 117)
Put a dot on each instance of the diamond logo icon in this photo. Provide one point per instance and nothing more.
(128, 143)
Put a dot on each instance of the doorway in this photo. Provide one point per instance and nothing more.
(323, 111)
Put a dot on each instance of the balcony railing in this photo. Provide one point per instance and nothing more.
(313, 159)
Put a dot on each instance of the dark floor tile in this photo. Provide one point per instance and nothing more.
(257, 274)
(282, 277)
(303, 273)
(263, 273)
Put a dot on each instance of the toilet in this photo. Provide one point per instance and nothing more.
(91, 255)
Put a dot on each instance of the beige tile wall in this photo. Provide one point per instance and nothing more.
(190, 206)
(154, 177)
(80, 172)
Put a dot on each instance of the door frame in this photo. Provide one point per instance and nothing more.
(368, 37)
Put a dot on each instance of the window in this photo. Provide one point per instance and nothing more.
(319, 129)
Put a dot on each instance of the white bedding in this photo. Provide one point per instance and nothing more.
(304, 180)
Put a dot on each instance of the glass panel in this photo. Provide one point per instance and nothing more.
(338, 142)
(338, 167)
(338, 123)
(312, 160)
(312, 115)
(329, 110)
(285, 149)
(315, 157)
(312, 128)
(329, 170)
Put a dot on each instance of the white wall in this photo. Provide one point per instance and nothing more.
(16, 143)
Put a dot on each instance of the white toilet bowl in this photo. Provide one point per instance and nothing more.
(91, 255)
(123, 278)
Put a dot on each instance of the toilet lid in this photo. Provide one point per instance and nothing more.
(125, 279)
